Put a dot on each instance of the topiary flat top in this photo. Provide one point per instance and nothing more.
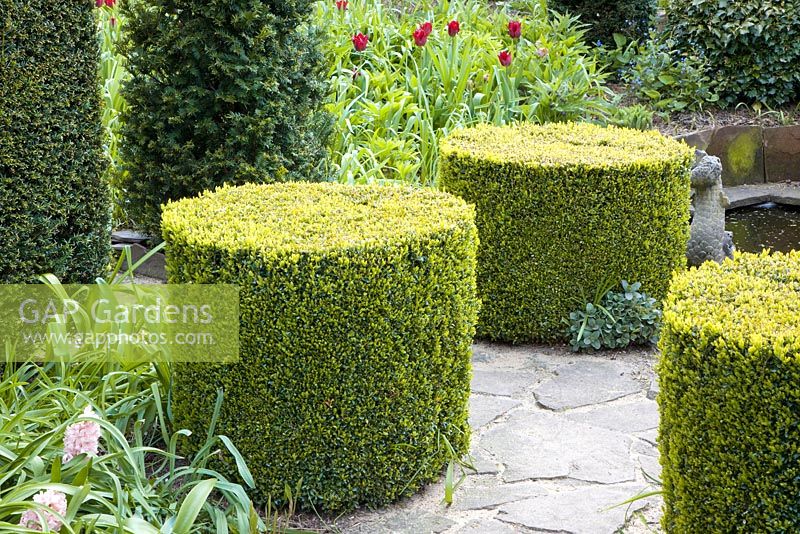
(751, 301)
(311, 217)
(563, 145)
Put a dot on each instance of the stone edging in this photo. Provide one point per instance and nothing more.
(752, 154)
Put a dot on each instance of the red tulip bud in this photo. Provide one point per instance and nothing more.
(514, 29)
(341, 5)
(427, 27)
(360, 42)
(453, 28)
(420, 37)
(505, 58)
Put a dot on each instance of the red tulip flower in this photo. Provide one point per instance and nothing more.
(453, 28)
(505, 58)
(341, 5)
(427, 27)
(360, 42)
(107, 3)
(420, 37)
(514, 29)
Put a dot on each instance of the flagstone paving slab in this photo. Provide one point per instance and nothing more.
(587, 382)
(538, 444)
(631, 417)
(579, 511)
(484, 409)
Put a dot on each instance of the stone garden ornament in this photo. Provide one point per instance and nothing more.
(708, 239)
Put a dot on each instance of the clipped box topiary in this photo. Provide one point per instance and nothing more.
(55, 214)
(358, 306)
(730, 397)
(563, 209)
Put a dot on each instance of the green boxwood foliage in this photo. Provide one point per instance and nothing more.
(630, 18)
(54, 206)
(222, 91)
(562, 209)
(729, 397)
(358, 306)
(752, 47)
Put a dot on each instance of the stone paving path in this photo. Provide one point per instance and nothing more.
(558, 439)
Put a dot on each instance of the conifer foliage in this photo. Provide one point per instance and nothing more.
(222, 91)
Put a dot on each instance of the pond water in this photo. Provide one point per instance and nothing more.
(770, 225)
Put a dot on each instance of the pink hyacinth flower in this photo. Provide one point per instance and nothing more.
(82, 437)
(56, 501)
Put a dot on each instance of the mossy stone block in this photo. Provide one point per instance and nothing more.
(741, 149)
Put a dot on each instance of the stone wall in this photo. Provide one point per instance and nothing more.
(752, 154)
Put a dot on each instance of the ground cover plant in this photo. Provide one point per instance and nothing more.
(615, 319)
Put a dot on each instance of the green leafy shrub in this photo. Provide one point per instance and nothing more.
(220, 92)
(562, 206)
(394, 101)
(54, 214)
(657, 72)
(752, 46)
(729, 397)
(616, 320)
(356, 324)
(607, 17)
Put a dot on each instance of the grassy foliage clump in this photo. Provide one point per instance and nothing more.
(395, 100)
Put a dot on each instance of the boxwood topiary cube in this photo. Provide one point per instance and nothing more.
(563, 209)
(358, 306)
(729, 397)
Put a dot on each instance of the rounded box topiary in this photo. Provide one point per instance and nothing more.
(563, 209)
(730, 397)
(358, 306)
